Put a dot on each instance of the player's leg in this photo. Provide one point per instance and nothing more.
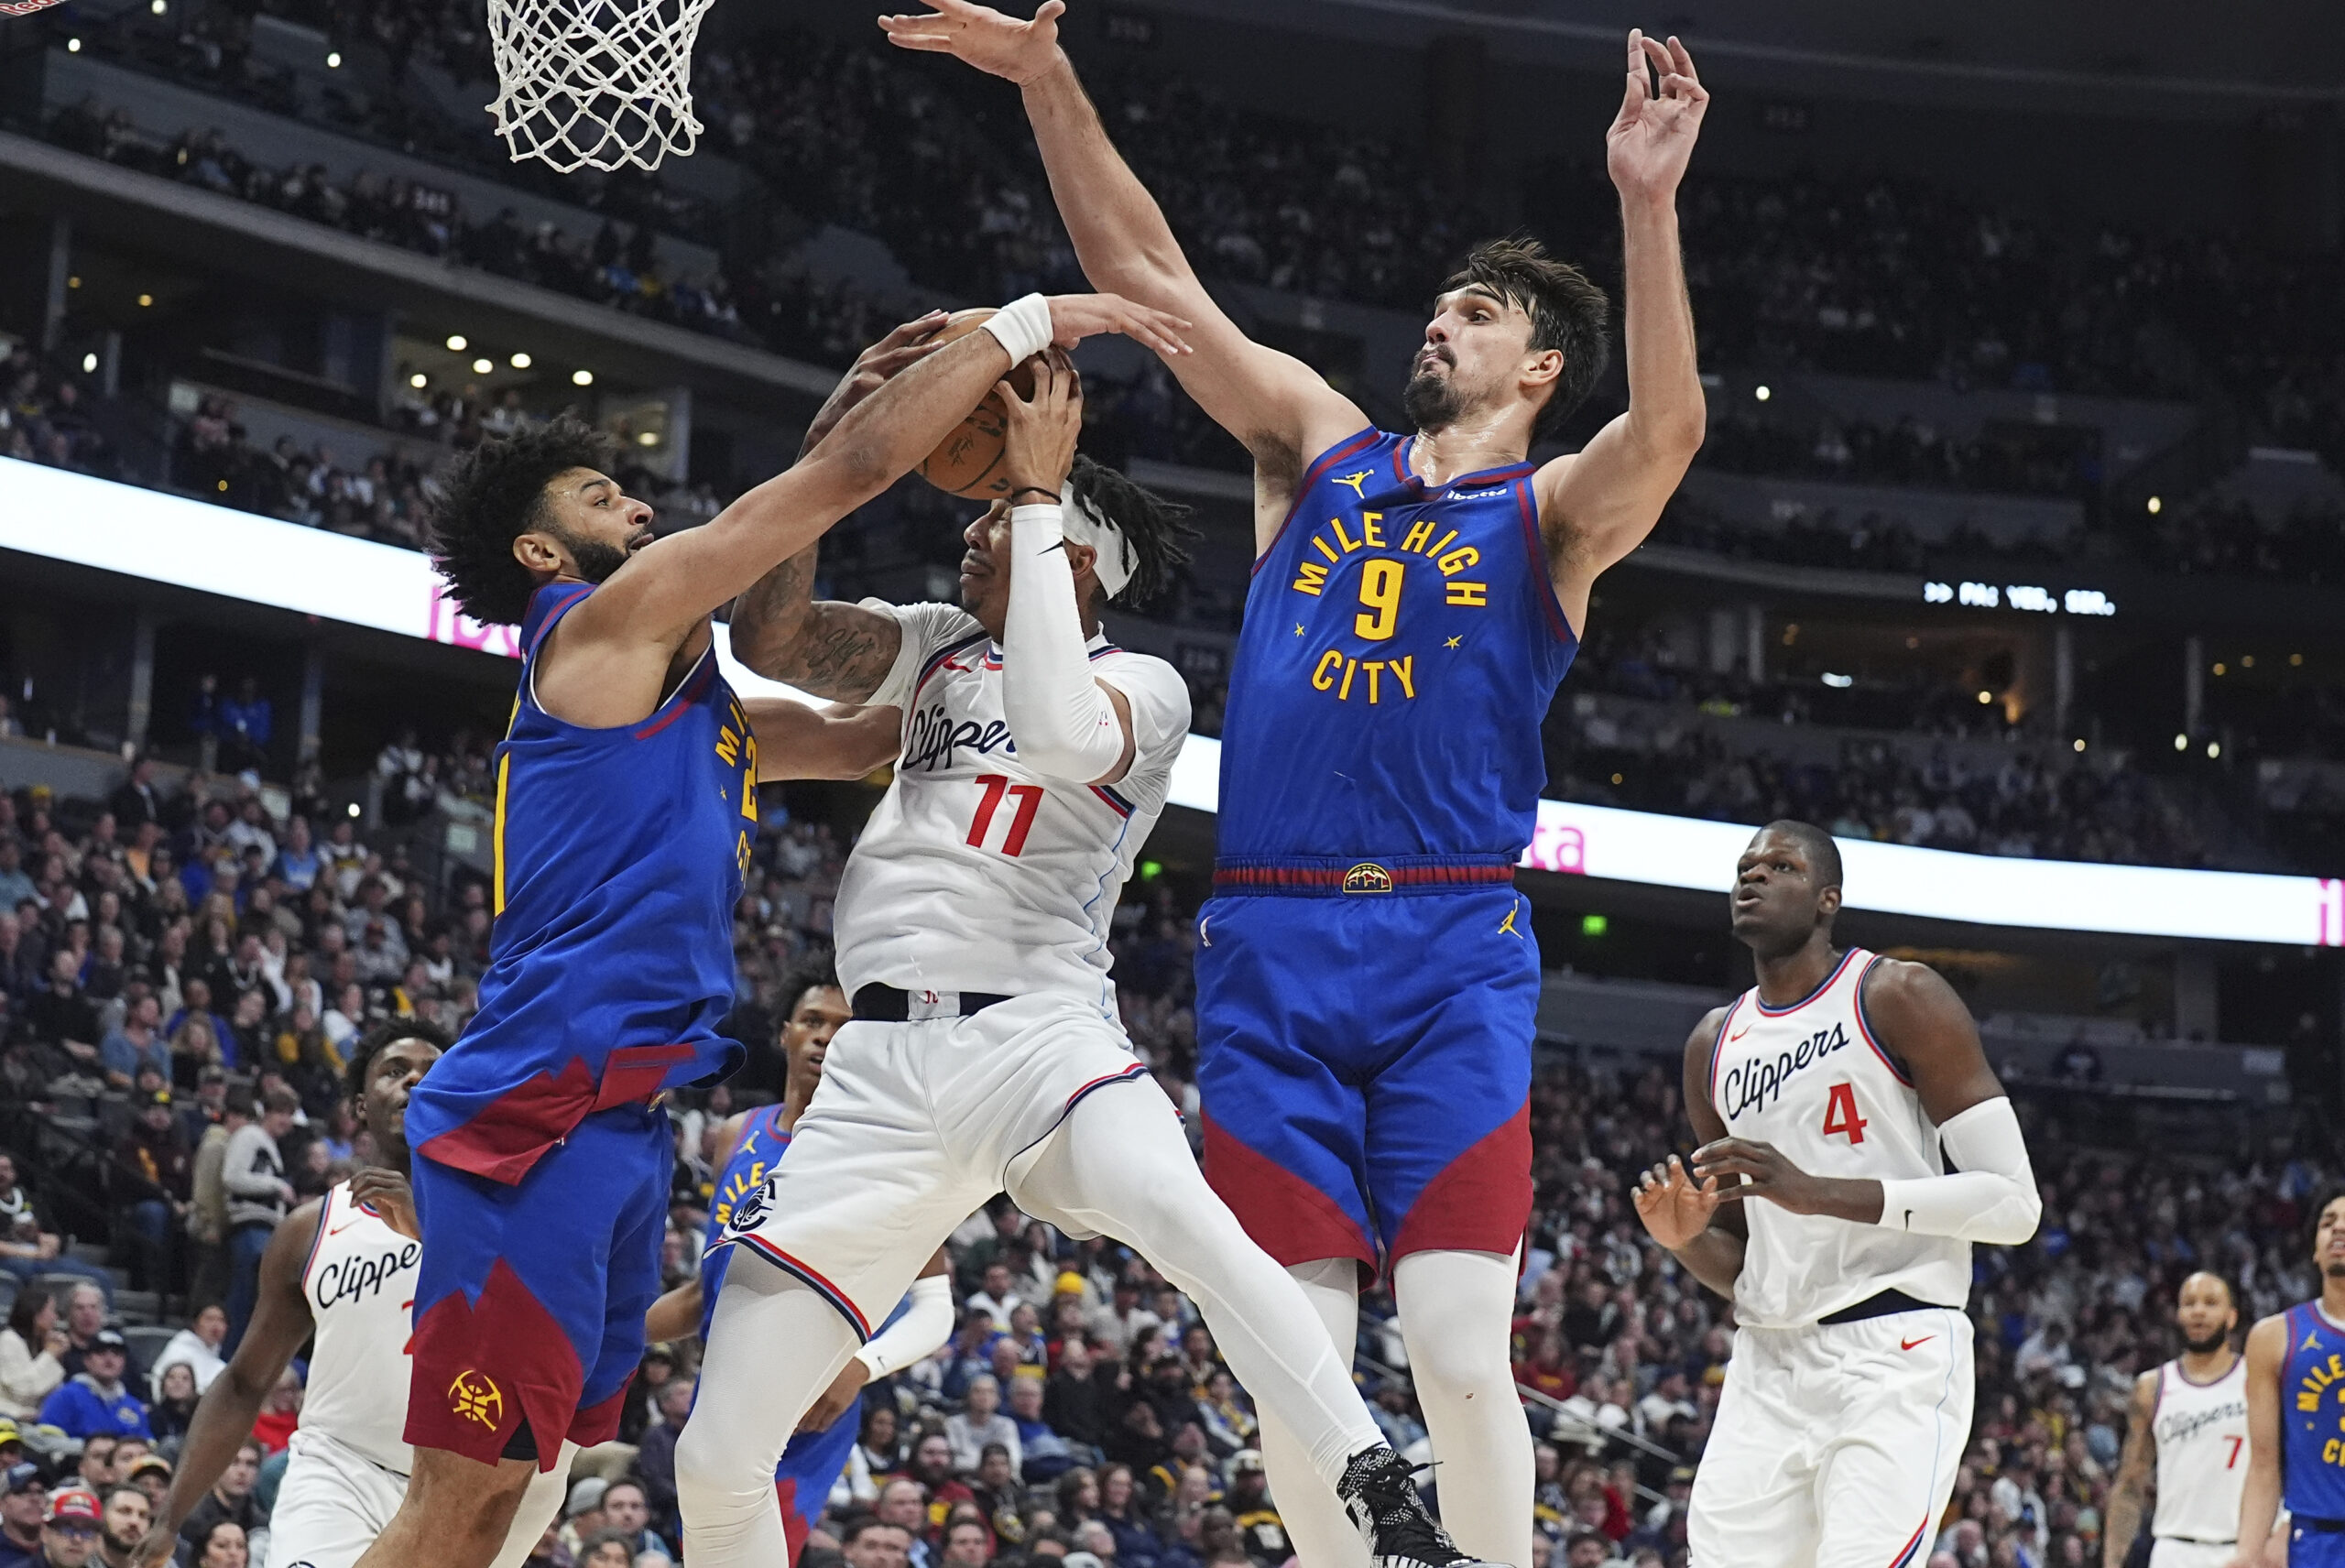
(774, 1345)
(1119, 1165)
(331, 1505)
(1315, 1522)
(457, 1510)
(1899, 1392)
(1754, 1493)
(2168, 1553)
(540, 1510)
(1448, 1162)
(809, 1468)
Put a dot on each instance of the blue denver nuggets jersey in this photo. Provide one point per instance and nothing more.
(618, 857)
(2312, 1415)
(1400, 648)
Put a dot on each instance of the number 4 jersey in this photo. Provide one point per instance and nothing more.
(976, 872)
(1813, 1080)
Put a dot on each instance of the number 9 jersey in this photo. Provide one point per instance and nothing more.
(1023, 869)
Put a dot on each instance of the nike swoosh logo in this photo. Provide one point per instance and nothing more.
(1910, 1344)
(1738, 1034)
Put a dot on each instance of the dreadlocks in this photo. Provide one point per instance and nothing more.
(1158, 529)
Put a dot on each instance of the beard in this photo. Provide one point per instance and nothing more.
(1433, 402)
(595, 560)
(2207, 1345)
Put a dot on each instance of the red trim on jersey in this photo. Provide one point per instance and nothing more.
(1137, 1070)
(1864, 1026)
(939, 659)
(1288, 1217)
(813, 1277)
(1116, 802)
(1905, 1552)
(1320, 465)
(1718, 1047)
(571, 591)
(1543, 588)
(508, 1137)
(1760, 1002)
(1480, 1202)
(686, 695)
(480, 1367)
(317, 1242)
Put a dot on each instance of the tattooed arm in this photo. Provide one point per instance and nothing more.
(829, 649)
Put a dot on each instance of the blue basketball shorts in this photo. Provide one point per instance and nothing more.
(1364, 1064)
(529, 1298)
(2312, 1547)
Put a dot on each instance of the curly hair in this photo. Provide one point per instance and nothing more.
(491, 496)
(1158, 529)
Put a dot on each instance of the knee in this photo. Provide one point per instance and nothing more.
(708, 1468)
(1457, 1366)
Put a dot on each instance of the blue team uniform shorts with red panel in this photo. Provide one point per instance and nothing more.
(1364, 1064)
(530, 1297)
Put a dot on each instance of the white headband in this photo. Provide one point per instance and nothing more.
(1085, 524)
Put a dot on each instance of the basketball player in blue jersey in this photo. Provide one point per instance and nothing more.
(626, 798)
(2295, 1416)
(1366, 975)
(748, 1147)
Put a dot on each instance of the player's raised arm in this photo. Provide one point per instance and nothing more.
(660, 596)
(1598, 505)
(1281, 409)
(2133, 1473)
(2259, 1497)
(796, 741)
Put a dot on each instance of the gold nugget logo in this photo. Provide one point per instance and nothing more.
(1367, 877)
(473, 1398)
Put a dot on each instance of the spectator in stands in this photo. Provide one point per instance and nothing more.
(95, 1470)
(980, 1422)
(122, 1524)
(230, 1499)
(152, 1473)
(224, 1545)
(175, 1398)
(582, 1512)
(872, 1542)
(87, 1309)
(24, 1502)
(1044, 1454)
(150, 1185)
(30, 1346)
(605, 1549)
(63, 1017)
(197, 1346)
(253, 1171)
(627, 1512)
(69, 1536)
(903, 1504)
(655, 1459)
(207, 1213)
(96, 1399)
(136, 802)
(881, 1444)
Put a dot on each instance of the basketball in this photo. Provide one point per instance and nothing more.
(968, 461)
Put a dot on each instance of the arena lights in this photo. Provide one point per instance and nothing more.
(2028, 596)
(187, 543)
(582, 378)
(458, 343)
(520, 361)
(89, 364)
(483, 365)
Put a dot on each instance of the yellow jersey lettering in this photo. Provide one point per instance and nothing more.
(1344, 693)
(1441, 544)
(1370, 534)
(1458, 560)
(2329, 1452)
(2307, 1402)
(1328, 660)
(728, 745)
(1403, 671)
(1313, 577)
(1419, 531)
(1372, 666)
(1474, 594)
(1324, 547)
(1342, 537)
(1379, 598)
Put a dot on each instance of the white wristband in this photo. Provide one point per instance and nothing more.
(1038, 525)
(1022, 327)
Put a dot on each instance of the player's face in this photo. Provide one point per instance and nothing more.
(985, 568)
(1774, 905)
(589, 527)
(2328, 1239)
(1476, 357)
(2204, 1312)
(396, 1069)
(821, 1013)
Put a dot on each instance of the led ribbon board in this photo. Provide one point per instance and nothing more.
(167, 538)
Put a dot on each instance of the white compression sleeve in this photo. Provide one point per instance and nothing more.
(1991, 1195)
(926, 1324)
(1064, 725)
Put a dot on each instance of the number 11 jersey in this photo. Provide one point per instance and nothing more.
(976, 872)
(1813, 1080)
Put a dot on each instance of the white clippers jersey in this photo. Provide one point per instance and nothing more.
(360, 1281)
(1810, 1080)
(976, 872)
(2201, 1431)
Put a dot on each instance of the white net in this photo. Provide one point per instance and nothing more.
(594, 83)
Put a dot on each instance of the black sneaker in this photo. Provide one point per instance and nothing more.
(1381, 1497)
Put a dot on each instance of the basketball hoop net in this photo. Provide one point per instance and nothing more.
(593, 83)
(25, 7)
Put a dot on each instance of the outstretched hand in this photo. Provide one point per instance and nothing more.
(1075, 317)
(1675, 1208)
(1652, 136)
(1041, 431)
(904, 346)
(983, 36)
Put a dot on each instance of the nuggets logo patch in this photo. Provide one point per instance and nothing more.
(473, 1398)
(1367, 877)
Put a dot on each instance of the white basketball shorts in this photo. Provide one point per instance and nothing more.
(2167, 1552)
(333, 1502)
(1835, 1446)
(916, 1125)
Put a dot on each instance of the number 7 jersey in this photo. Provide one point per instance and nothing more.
(976, 872)
(1814, 1081)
